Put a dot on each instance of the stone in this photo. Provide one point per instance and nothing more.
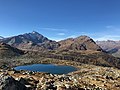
(23, 81)
(9, 83)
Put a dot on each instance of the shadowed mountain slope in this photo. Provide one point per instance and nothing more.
(8, 51)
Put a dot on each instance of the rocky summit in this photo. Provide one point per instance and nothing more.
(30, 41)
(79, 43)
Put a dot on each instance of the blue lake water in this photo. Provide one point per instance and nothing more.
(49, 68)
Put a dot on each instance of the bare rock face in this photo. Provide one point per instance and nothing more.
(9, 83)
(79, 43)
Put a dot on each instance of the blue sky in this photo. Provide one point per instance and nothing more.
(60, 19)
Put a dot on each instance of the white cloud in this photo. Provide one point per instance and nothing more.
(108, 37)
(110, 33)
(109, 26)
(61, 34)
(72, 36)
(57, 39)
(54, 29)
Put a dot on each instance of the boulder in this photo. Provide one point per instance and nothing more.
(9, 83)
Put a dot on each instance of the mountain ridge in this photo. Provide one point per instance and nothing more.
(110, 46)
(36, 41)
(82, 42)
(33, 40)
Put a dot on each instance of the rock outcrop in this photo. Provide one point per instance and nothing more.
(9, 83)
(88, 77)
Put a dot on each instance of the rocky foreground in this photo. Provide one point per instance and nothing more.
(88, 77)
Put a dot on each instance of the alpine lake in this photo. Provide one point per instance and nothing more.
(48, 68)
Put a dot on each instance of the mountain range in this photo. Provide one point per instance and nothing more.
(82, 49)
(30, 41)
(110, 46)
(36, 41)
(1, 37)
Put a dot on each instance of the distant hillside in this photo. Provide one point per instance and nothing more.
(6, 51)
(112, 47)
(31, 41)
(87, 57)
(79, 43)
(1, 37)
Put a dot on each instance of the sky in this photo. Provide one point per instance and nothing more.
(61, 19)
